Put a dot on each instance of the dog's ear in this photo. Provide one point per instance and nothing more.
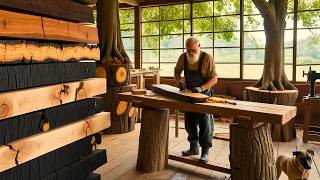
(310, 151)
(295, 153)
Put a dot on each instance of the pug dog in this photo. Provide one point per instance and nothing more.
(296, 167)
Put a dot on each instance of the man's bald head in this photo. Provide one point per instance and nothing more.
(193, 49)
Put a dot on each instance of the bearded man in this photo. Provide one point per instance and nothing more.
(199, 77)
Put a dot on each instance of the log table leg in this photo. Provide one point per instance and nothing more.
(251, 151)
(153, 141)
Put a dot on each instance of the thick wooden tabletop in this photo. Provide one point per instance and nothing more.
(258, 112)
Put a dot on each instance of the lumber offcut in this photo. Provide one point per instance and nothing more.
(21, 51)
(62, 9)
(18, 25)
(14, 103)
(30, 148)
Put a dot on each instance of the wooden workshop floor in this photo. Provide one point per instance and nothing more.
(122, 151)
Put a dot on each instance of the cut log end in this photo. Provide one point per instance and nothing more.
(4, 110)
(45, 127)
(121, 108)
(121, 75)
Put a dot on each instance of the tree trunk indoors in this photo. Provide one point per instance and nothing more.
(274, 15)
(114, 64)
(111, 46)
(274, 78)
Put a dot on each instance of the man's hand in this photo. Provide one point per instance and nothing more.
(182, 86)
(197, 90)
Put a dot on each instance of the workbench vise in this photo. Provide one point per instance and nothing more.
(312, 77)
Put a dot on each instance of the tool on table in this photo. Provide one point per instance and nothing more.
(312, 77)
(220, 100)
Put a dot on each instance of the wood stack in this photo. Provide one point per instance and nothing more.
(123, 116)
(50, 119)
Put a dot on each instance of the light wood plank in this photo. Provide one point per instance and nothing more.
(20, 25)
(14, 103)
(267, 114)
(37, 145)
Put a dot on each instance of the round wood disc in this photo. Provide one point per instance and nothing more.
(45, 127)
(121, 75)
(121, 108)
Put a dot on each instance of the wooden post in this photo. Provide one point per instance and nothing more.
(153, 142)
(251, 151)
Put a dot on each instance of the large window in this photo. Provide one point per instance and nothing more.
(163, 32)
(127, 31)
(308, 37)
(221, 28)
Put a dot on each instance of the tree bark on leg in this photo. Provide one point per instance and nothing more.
(251, 153)
(153, 141)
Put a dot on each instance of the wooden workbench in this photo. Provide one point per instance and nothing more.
(140, 73)
(250, 146)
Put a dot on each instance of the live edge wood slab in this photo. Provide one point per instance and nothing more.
(175, 93)
(251, 143)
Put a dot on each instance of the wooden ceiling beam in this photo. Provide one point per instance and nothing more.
(130, 2)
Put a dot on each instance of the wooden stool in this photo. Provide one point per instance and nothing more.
(307, 135)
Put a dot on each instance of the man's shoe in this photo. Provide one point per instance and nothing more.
(204, 155)
(194, 150)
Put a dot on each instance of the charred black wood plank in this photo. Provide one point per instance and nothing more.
(46, 165)
(57, 9)
(13, 77)
(26, 125)
(93, 176)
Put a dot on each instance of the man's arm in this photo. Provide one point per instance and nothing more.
(178, 70)
(211, 82)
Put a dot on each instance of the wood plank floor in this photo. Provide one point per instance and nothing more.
(122, 151)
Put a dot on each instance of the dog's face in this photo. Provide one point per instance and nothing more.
(304, 158)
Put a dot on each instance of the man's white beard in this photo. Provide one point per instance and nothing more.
(193, 59)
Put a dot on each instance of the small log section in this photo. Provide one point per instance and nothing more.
(279, 132)
(119, 110)
(251, 150)
(20, 51)
(118, 80)
(14, 103)
(153, 141)
(18, 25)
(62, 9)
(310, 133)
(254, 141)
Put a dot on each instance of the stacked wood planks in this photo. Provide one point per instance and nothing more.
(50, 117)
